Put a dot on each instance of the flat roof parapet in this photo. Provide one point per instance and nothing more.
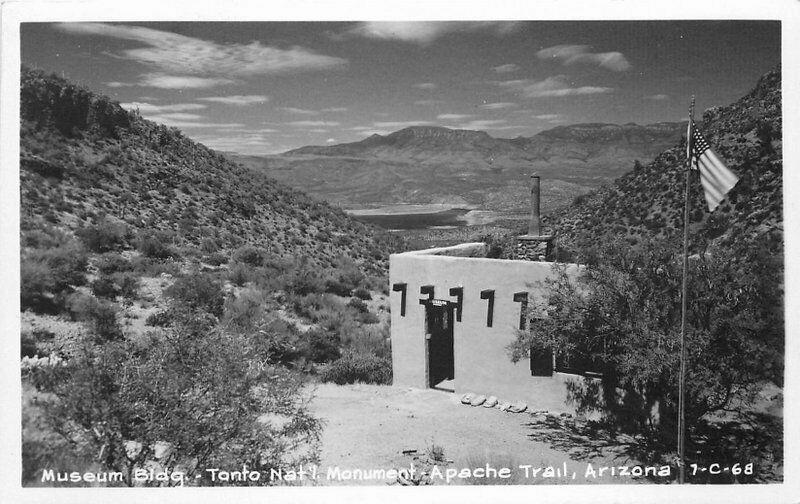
(473, 249)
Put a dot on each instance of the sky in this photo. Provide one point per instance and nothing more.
(265, 88)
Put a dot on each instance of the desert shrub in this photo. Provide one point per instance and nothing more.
(354, 367)
(246, 309)
(197, 291)
(161, 318)
(112, 263)
(104, 236)
(358, 305)
(216, 258)
(239, 274)
(345, 278)
(155, 245)
(373, 340)
(27, 345)
(436, 452)
(334, 286)
(319, 346)
(67, 265)
(100, 317)
(171, 391)
(127, 283)
(47, 276)
(367, 317)
(362, 293)
(41, 334)
(209, 245)
(302, 280)
(44, 237)
(250, 255)
(146, 266)
(36, 286)
(105, 287)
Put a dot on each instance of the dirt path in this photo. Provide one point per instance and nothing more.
(369, 426)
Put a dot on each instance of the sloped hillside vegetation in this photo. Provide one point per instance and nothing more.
(175, 304)
(85, 159)
(648, 200)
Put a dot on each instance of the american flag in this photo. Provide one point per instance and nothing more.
(716, 178)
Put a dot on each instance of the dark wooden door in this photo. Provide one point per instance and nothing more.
(441, 362)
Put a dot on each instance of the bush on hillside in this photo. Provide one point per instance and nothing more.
(155, 245)
(362, 293)
(204, 391)
(161, 318)
(100, 317)
(319, 346)
(104, 287)
(197, 292)
(355, 367)
(105, 236)
(302, 280)
(48, 276)
(112, 263)
(250, 255)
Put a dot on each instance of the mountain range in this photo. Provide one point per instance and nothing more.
(429, 164)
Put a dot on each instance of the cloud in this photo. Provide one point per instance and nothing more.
(254, 130)
(498, 105)
(179, 116)
(252, 143)
(299, 111)
(238, 100)
(311, 124)
(481, 124)
(334, 109)
(551, 87)
(426, 103)
(453, 117)
(548, 117)
(166, 120)
(658, 97)
(425, 85)
(181, 82)
(400, 124)
(425, 32)
(330, 140)
(149, 108)
(117, 84)
(180, 54)
(507, 68)
(572, 54)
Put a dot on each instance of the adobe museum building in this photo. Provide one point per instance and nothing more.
(454, 312)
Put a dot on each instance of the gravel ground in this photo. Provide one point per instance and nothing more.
(369, 427)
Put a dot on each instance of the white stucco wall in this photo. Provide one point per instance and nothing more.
(482, 363)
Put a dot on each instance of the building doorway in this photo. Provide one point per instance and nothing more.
(440, 365)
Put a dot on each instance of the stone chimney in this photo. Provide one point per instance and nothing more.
(534, 246)
(535, 223)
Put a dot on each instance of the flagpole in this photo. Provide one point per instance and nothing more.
(682, 373)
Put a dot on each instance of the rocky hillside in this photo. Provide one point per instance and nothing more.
(426, 164)
(648, 201)
(85, 160)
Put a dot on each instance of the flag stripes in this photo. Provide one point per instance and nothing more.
(715, 177)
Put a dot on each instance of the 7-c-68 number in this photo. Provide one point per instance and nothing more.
(735, 469)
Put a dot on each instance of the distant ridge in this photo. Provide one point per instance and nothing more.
(432, 164)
